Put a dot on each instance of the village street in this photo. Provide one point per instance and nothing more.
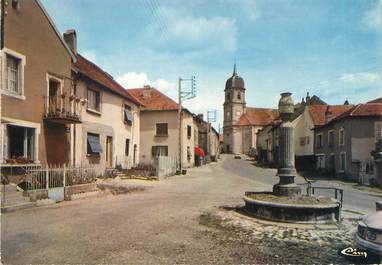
(356, 197)
(183, 219)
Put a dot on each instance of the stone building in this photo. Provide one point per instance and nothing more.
(241, 123)
(109, 132)
(159, 130)
(36, 118)
(344, 144)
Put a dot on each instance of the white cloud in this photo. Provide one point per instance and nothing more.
(138, 80)
(133, 80)
(187, 32)
(362, 78)
(373, 18)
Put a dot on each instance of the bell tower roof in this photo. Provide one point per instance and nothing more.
(235, 81)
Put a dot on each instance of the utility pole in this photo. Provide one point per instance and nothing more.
(183, 94)
(211, 117)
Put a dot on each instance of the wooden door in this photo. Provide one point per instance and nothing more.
(109, 151)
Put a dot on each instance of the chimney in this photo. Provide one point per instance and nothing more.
(200, 116)
(70, 37)
(146, 91)
(328, 115)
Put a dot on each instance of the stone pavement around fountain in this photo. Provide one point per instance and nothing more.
(287, 242)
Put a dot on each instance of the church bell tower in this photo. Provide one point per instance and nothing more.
(234, 107)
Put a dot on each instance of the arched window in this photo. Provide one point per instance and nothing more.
(238, 95)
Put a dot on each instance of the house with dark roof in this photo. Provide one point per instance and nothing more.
(308, 113)
(304, 122)
(109, 133)
(345, 139)
(159, 129)
(37, 112)
(241, 123)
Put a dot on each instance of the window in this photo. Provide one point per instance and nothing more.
(320, 161)
(307, 140)
(159, 150)
(127, 147)
(319, 140)
(302, 141)
(94, 146)
(127, 115)
(21, 142)
(342, 137)
(331, 138)
(342, 161)
(189, 131)
(378, 131)
(228, 96)
(12, 75)
(161, 129)
(238, 95)
(94, 99)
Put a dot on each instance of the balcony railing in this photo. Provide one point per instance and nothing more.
(62, 109)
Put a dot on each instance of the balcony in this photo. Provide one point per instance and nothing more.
(62, 109)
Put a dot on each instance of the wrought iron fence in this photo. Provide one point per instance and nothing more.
(53, 176)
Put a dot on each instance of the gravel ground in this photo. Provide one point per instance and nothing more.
(183, 219)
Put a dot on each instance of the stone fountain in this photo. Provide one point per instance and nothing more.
(285, 203)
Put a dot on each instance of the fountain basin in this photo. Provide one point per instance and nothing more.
(299, 209)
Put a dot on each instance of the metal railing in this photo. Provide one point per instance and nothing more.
(63, 107)
(54, 176)
(336, 192)
(311, 190)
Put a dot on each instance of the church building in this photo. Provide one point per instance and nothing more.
(241, 123)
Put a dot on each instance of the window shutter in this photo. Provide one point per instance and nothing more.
(5, 142)
(19, 78)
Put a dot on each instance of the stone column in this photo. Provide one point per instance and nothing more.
(286, 169)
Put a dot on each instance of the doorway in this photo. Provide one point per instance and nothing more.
(109, 151)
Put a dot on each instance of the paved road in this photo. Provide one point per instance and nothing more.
(159, 225)
(162, 225)
(355, 199)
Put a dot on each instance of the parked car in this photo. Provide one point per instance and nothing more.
(369, 233)
(237, 156)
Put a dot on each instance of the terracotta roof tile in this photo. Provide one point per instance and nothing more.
(317, 112)
(257, 116)
(153, 99)
(377, 100)
(363, 110)
(95, 73)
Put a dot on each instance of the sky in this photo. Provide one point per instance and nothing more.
(330, 48)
